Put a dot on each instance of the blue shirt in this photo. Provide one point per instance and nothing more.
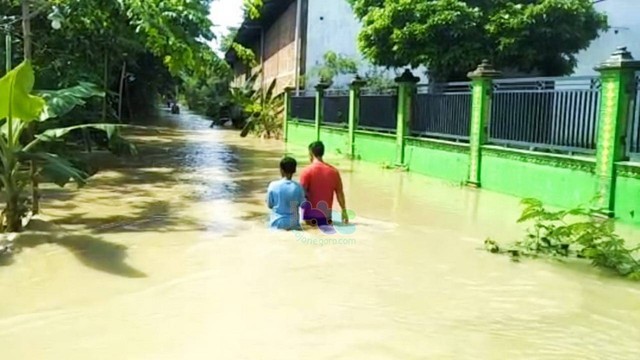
(284, 198)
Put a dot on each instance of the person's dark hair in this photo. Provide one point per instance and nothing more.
(288, 165)
(317, 149)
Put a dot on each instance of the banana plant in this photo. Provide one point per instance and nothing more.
(267, 110)
(18, 109)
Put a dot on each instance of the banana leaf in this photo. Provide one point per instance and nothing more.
(56, 169)
(15, 94)
(61, 102)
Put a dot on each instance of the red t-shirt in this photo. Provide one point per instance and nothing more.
(320, 182)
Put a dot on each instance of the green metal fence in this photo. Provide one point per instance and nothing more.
(442, 111)
(559, 114)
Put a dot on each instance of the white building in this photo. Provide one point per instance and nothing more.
(320, 26)
(324, 26)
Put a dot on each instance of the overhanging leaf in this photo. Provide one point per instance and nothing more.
(15, 94)
(61, 102)
(53, 134)
(56, 169)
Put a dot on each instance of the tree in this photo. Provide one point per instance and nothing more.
(19, 109)
(333, 64)
(451, 37)
(252, 8)
(109, 43)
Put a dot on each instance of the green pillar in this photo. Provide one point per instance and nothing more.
(287, 113)
(406, 89)
(618, 81)
(482, 84)
(320, 88)
(354, 112)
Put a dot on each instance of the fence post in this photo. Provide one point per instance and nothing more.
(320, 88)
(354, 112)
(406, 88)
(482, 83)
(287, 113)
(617, 76)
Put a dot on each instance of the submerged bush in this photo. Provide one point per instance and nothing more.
(592, 237)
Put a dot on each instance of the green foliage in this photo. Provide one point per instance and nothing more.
(156, 40)
(16, 101)
(451, 37)
(378, 81)
(589, 236)
(227, 40)
(60, 102)
(246, 55)
(333, 64)
(207, 93)
(252, 8)
(18, 108)
(267, 110)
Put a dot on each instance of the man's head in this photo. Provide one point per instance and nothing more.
(316, 150)
(288, 167)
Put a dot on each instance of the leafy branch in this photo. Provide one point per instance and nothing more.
(592, 237)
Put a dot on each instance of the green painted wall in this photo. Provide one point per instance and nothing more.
(438, 159)
(556, 180)
(627, 199)
(301, 133)
(375, 147)
(336, 140)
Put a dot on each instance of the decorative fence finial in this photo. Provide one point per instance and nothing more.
(407, 77)
(484, 70)
(358, 81)
(621, 58)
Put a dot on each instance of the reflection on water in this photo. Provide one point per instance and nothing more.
(166, 257)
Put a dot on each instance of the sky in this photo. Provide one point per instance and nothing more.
(223, 14)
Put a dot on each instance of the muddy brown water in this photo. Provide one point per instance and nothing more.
(166, 257)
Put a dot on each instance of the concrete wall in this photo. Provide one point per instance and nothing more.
(279, 50)
(332, 26)
(625, 31)
(276, 55)
(558, 180)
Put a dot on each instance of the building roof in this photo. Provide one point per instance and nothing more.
(250, 30)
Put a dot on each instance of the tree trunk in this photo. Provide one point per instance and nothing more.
(12, 216)
(128, 90)
(105, 86)
(122, 76)
(26, 28)
(86, 137)
(26, 34)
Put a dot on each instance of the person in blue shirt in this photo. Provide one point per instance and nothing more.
(284, 198)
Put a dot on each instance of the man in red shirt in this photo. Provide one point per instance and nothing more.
(320, 182)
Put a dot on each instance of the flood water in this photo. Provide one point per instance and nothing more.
(166, 257)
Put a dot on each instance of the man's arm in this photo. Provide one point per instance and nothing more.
(342, 200)
(270, 201)
(305, 181)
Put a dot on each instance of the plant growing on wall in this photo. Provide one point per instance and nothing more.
(18, 109)
(451, 37)
(554, 234)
